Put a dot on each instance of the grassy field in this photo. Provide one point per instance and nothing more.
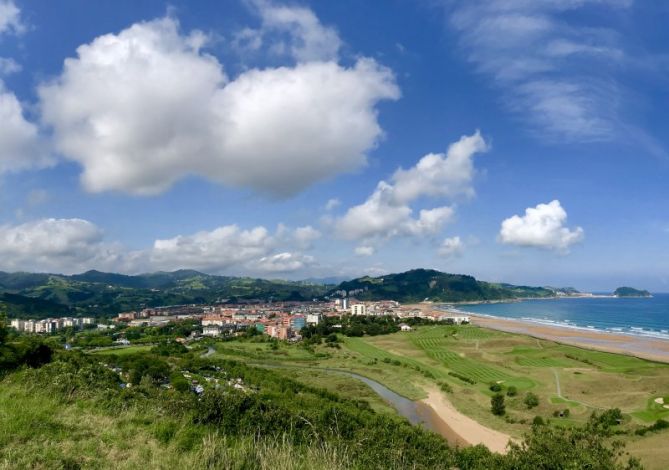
(122, 350)
(408, 362)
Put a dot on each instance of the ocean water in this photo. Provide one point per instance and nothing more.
(636, 316)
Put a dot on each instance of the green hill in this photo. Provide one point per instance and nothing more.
(630, 292)
(98, 293)
(427, 284)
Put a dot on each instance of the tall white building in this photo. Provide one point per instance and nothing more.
(358, 309)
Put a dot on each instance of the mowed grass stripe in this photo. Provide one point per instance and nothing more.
(359, 345)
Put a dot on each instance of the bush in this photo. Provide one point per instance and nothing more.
(464, 378)
(512, 391)
(445, 387)
(495, 387)
(659, 425)
(538, 421)
(608, 418)
(497, 405)
(179, 383)
(531, 400)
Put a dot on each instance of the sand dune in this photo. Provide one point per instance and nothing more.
(467, 431)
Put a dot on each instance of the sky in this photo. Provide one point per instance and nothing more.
(521, 141)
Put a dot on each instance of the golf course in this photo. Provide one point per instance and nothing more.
(468, 365)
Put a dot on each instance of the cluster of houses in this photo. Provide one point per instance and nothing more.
(281, 320)
(50, 325)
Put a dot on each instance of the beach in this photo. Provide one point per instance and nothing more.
(643, 347)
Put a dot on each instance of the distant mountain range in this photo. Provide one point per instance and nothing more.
(106, 294)
(98, 293)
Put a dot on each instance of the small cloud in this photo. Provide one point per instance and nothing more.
(10, 18)
(305, 236)
(332, 204)
(451, 247)
(541, 227)
(364, 250)
(8, 66)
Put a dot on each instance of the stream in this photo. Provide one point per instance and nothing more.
(416, 412)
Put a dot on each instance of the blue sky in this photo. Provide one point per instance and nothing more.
(514, 140)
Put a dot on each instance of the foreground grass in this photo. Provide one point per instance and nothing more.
(38, 430)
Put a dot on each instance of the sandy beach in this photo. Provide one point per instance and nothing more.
(462, 430)
(646, 348)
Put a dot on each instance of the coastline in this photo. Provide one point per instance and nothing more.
(619, 343)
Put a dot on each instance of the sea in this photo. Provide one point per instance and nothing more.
(647, 317)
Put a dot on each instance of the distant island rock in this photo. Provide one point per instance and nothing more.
(630, 292)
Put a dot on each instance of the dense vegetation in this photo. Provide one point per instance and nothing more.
(421, 284)
(269, 421)
(630, 292)
(360, 325)
(30, 295)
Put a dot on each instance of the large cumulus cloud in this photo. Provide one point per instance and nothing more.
(144, 108)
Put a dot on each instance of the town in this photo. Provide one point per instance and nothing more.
(280, 320)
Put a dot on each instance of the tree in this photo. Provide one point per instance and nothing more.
(497, 405)
(495, 387)
(512, 391)
(531, 400)
(3, 324)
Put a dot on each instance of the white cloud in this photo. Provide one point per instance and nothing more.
(76, 245)
(61, 245)
(20, 143)
(8, 66)
(10, 18)
(212, 251)
(441, 175)
(282, 263)
(146, 107)
(542, 227)
(564, 84)
(364, 250)
(305, 236)
(387, 212)
(307, 39)
(451, 247)
(332, 204)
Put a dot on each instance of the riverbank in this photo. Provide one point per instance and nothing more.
(461, 430)
(642, 347)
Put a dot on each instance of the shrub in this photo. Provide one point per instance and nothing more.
(512, 391)
(464, 378)
(445, 387)
(495, 387)
(497, 405)
(531, 400)
(538, 421)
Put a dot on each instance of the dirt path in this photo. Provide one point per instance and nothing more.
(470, 431)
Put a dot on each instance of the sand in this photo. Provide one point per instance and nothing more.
(646, 348)
(462, 430)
